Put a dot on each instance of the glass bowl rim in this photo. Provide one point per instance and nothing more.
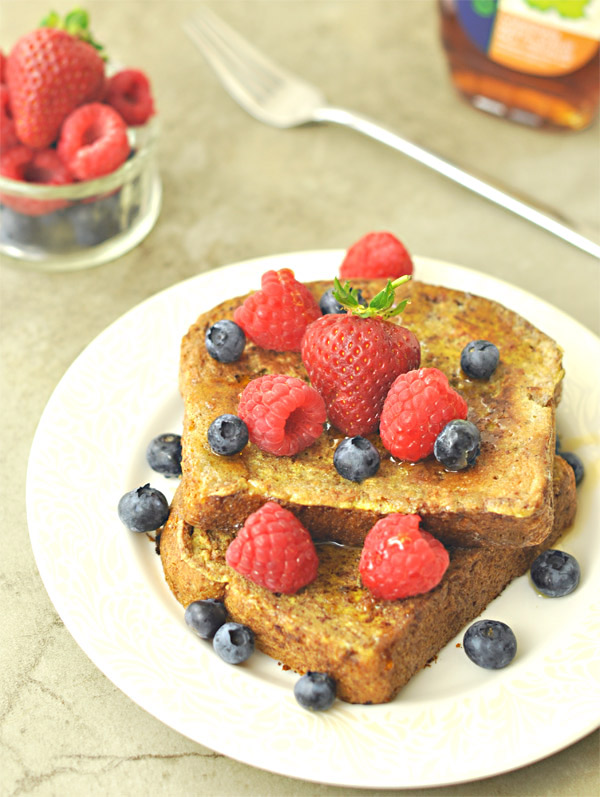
(147, 135)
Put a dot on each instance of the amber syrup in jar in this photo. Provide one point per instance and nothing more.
(532, 61)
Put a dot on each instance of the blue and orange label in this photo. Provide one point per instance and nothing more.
(539, 37)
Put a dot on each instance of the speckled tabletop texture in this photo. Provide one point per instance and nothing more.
(235, 189)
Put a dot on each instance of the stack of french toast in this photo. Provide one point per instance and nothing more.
(494, 518)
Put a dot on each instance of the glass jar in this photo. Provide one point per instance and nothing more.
(86, 223)
(532, 61)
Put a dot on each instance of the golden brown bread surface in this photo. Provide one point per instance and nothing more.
(506, 499)
(372, 648)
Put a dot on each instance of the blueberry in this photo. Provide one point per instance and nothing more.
(329, 304)
(132, 213)
(479, 359)
(227, 435)
(575, 463)
(206, 617)
(17, 228)
(225, 341)
(95, 222)
(490, 644)
(55, 230)
(458, 444)
(143, 509)
(164, 454)
(555, 573)
(315, 691)
(356, 459)
(234, 642)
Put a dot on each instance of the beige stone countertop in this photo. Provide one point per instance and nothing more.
(235, 189)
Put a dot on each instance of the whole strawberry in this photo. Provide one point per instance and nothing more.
(49, 73)
(8, 134)
(352, 359)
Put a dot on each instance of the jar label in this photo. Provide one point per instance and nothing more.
(539, 37)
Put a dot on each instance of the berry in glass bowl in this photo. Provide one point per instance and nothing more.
(79, 183)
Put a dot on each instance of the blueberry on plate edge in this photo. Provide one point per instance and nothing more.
(315, 691)
(205, 617)
(555, 573)
(163, 454)
(234, 642)
(576, 463)
(143, 509)
(490, 644)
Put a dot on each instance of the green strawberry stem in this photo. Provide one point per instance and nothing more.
(381, 305)
(76, 23)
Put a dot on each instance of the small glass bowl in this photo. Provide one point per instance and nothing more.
(86, 223)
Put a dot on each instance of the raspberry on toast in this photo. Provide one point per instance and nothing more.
(505, 499)
(370, 647)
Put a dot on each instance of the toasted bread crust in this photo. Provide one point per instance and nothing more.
(372, 648)
(505, 500)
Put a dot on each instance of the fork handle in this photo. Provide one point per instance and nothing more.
(531, 210)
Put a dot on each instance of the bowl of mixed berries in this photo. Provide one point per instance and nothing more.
(79, 183)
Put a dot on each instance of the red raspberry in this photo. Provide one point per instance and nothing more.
(93, 141)
(276, 316)
(2, 67)
(128, 92)
(399, 559)
(352, 362)
(377, 254)
(418, 406)
(8, 132)
(274, 550)
(34, 166)
(283, 414)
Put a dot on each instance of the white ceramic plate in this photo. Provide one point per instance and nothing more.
(454, 722)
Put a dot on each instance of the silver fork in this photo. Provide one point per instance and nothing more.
(280, 99)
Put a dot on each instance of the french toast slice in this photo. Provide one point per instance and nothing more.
(371, 648)
(506, 499)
